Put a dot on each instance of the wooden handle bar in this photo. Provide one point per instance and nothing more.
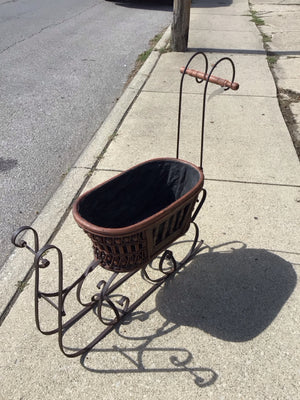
(213, 79)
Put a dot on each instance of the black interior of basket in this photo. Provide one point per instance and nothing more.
(138, 193)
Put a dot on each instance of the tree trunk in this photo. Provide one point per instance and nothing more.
(180, 25)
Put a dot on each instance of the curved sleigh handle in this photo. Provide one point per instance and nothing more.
(208, 77)
(213, 79)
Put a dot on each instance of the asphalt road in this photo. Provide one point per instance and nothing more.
(63, 64)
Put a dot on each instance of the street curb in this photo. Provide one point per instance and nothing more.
(18, 268)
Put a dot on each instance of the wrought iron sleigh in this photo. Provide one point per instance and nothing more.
(129, 225)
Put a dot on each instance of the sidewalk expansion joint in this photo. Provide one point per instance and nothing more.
(261, 52)
(201, 94)
(252, 183)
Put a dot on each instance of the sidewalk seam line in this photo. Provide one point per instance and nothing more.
(200, 94)
(252, 183)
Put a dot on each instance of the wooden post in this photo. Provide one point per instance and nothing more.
(180, 25)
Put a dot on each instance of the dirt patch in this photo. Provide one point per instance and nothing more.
(286, 98)
(143, 56)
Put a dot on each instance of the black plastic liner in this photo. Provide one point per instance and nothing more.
(138, 193)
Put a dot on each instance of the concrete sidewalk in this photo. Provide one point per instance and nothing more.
(226, 326)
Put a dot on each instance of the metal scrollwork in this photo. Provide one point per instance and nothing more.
(106, 300)
(109, 306)
(167, 266)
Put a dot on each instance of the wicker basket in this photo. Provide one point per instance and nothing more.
(134, 216)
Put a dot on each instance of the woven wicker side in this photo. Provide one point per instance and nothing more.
(170, 228)
(120, 254)
(130, 252)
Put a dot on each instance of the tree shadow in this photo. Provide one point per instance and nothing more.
(167, 5)
(159, 5)
(210, 3)
(233, 295)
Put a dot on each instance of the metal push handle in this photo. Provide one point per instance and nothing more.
(213, 79)
(200, 77)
